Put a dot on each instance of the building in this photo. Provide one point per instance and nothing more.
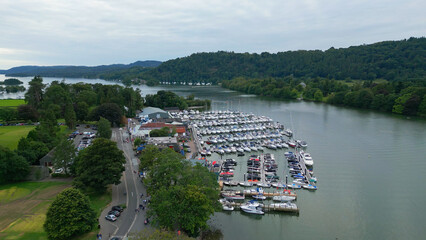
(153, 113)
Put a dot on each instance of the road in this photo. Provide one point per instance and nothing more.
(127, 192)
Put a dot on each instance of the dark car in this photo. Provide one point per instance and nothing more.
(115, 238)
(114, 212)
(111, 218)
(117, 208)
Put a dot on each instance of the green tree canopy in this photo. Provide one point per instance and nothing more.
(13, 167)
(99, 165)
(69, 215)
(70, 116)
(110, 111)
(64, 154)
(34, 95)
(104, 128)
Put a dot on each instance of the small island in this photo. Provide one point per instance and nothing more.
(12, 86)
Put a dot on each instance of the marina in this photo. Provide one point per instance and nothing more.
(256, 173)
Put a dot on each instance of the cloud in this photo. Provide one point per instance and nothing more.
(102, 32)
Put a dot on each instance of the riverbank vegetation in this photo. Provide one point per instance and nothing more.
(183, 195)
(407, 98)
(167, 99)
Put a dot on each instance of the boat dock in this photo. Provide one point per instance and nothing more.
(303, 166)
(268, 208)
(266, 194)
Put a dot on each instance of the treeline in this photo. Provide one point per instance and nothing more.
(391, 60)
(87, 101)
(77, 71)
(165, 99)
(407, 98)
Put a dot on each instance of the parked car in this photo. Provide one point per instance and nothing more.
(117, 208)
(115, 238)
(59, 170)
(111, 218)
(114, 212)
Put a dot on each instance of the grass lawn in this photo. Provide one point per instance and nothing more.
(11, 102)
(10, 135)
(23, 208)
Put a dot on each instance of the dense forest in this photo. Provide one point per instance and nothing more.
(403, 60)
(407, 98)
(167, 99)
(78, 71)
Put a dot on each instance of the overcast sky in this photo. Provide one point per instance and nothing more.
(88, 32)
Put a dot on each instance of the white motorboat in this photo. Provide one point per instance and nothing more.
(310, 187)
(278, 185)
(294, 186)
(259, 197)
(307, 158)
(284, 197)
(246, 184)
(263, 184)
(253, 209)
(227, 207)
(260, 148)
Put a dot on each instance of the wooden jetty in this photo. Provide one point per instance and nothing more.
(268, 208)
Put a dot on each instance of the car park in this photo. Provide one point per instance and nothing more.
(111, 218)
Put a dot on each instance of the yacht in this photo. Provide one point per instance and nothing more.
(252, 208)
(310, 187)
(307, 158)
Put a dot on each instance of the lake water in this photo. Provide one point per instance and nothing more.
(371, 169)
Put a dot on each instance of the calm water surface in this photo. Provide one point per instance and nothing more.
(371, 169)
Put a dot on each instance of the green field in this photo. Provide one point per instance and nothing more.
(10, 135)
(23, 208)
(11, 102)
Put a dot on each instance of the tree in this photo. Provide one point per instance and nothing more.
(64, 155)
(27, 112)
(82, 111)
(99, 165)
(104, 128)
(163, 132)
(69, 215)
(110, 111)
(318, 96)
(13, 167)
(34, 95)
(31, 150)
(8, 114)
(182, 207)
(70, 117)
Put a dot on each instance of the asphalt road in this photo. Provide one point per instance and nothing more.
(127, 192)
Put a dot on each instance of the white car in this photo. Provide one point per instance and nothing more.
(59, 170)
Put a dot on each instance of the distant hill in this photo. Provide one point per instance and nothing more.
(75, 71)
(391, 60)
